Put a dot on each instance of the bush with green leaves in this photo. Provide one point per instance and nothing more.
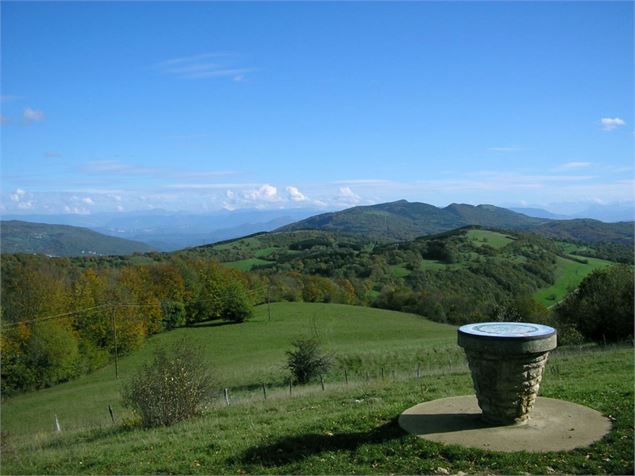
(307, 360)
(176, 384)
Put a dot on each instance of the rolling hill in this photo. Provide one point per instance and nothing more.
(63, 240)
(468, 262)
(403, 220)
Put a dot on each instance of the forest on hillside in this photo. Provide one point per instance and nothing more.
(64, 317)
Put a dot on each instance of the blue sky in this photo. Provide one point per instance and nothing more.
(200, 106)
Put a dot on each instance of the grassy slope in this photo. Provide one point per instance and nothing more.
(345, 430)
(241, 354)
(492, 238)
(569, 274)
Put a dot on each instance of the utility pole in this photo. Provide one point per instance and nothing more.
(114, 333)
(269, 301)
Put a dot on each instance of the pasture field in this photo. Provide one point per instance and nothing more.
(492, 238)
(246, 264)
(347, 429)
(569, 274)
(247, 355)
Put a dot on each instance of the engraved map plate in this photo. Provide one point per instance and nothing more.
(508, 330)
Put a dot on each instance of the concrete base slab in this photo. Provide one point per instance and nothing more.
(554, 425)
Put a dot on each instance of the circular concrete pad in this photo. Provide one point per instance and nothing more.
(554, 425)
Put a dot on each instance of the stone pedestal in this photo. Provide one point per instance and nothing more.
(507, 361)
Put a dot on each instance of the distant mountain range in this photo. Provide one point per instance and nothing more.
(387, 222)
(403, 220)
(607, 213)
(169, 231)
(62, 240)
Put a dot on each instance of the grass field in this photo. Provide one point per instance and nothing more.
(492, 238)
(251, 353)
(569, 274)
(246, 264)
(344, 430)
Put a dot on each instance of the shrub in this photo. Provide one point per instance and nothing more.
(173, 386)
(307, 360)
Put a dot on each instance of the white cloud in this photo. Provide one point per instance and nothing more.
(33, 115)
(295, 195)
(203, 66)
(88, 201)
(346, 196)
(8, 98)
(574, 166)
(267, 193)
(76, 210)
(608, 123)
(17, 195)
(117, 167)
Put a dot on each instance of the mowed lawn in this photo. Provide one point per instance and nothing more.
(569, 274)
(249, 353)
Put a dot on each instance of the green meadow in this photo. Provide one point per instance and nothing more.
(492, 238)
(345, 429)
(246, 355)
(569, 274)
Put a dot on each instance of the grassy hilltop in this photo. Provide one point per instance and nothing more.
(348, 428)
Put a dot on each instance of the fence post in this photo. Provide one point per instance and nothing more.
(227, 397)
(382, 373)
(290, 387)
(322, 382)
(418, 369)
(112, 415)
(264, 391)
(345, 376)
(56, 425)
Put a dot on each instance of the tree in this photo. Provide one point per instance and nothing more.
(236, 305)
(307, 360)
(602, 306)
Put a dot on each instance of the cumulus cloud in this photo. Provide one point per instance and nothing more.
(17, 195)
(88, 201)
(33, 115)
(267, 193)
(347, 197)
(610, 123)
(295, 195)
